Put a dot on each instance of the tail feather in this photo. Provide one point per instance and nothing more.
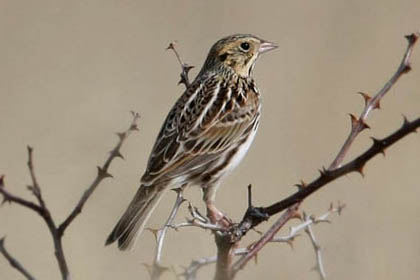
(132, 222)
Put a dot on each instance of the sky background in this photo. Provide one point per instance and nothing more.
(70, 72)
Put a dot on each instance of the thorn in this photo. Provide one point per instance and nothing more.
(154, 231)
(290, 243)
(297, 215)
(103, 173)
(366, 97)
(340, 207)
(187, 68)
(30, 149)
(301, 185)
(377, 105)
(406, 122)
(323, 172)
(134, 127)
(2, 181)
(121, 135)
(360, 170)
(378, 143)
(117, 153)
(353, 121)
(256, 259)
(148, 268)
(2, 241)
(135, 114)
(407, 68)
(364, 125)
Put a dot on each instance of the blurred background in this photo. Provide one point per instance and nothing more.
(70, 72)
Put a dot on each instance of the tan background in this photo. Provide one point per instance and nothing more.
(71, 70)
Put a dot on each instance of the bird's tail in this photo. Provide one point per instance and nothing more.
(132, 222)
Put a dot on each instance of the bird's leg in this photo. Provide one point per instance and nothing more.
(215, 215)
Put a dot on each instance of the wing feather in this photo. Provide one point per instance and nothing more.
(206, 121)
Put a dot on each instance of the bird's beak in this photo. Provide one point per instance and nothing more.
(267, 46)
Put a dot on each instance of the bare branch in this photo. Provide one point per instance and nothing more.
(157, 268)
(319, 263)
(102, 173)
(35, 188)
(8, 197)
(43, 211)
(13, 261)
(359, 124)
(185, 68)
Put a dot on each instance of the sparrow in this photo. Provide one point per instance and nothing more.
(205, 135)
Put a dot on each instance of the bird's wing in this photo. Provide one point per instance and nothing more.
(209, 118)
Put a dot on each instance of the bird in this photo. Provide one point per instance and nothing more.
(205, 135)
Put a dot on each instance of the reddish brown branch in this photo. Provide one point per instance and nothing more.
(268, 236)
(359, 124)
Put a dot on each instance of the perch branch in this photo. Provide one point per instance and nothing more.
(325, 177)
(13, 261)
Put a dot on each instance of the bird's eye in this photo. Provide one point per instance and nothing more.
(244, 46)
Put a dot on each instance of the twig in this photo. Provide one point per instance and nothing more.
(319, 263)
(357, 125)
(13, 261)
(35, 189)
(8, 197)
(102, 173)
(157, 268)
(185, 68)
(294, 231)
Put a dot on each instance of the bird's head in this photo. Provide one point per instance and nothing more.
(238, 53)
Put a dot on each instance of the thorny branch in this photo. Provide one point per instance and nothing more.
(13, 261)
(331, 174)
(57, 232)
(102, 172)
(359, 124)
